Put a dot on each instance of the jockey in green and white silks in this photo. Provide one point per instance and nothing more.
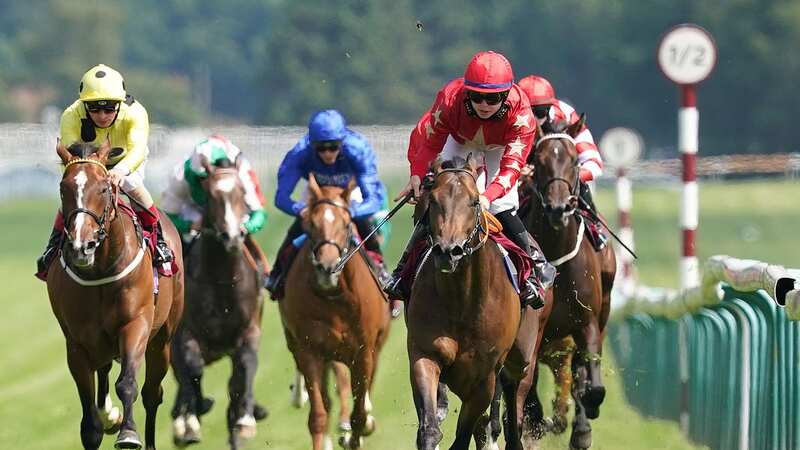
(184, 198)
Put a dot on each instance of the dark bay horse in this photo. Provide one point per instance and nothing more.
(582, 288)
(464, 315)
(101, 293)
(223, 312)
(330, 317)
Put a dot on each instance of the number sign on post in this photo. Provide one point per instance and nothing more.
(686, 56)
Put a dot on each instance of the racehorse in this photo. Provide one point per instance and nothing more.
(582, 288)
(102, 293)
(223, 312)
(333, 316)
(464, 314)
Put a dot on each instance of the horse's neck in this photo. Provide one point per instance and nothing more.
(214, 258)
(554, 243)
(470, 282)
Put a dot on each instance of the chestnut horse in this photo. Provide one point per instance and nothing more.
(333, 316)
(223, 312)
(101, 293)
(582, 289)
(464, 315)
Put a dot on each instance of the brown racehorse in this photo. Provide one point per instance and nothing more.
(464, 314)
(102, 295)
(223, 312)
(582, 288)
(331, 316)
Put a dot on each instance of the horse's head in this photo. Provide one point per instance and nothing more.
(87, 200)
(226, 209)
(329, 226)
(454, 211)
(556, 168)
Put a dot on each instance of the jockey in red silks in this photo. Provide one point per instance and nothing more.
(486, 114)
(549, 110)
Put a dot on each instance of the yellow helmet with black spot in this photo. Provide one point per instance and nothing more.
(102, 83)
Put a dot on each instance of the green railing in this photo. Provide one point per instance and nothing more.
(728, 372)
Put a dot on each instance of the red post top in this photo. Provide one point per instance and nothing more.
(688, 95)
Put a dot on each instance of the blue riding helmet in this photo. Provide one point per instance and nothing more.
(327, 125)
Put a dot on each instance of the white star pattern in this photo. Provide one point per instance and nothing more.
(523, 120)
(505, 181)
(478, 142)
(436, 116)
(516, 147)
(428, 130)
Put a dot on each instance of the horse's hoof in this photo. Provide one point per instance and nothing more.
(347, 442)
(246, 427)
(111, 418)
(260, 412)
(369, 427)
(205, 406)
(580, 440)
(299, 396)
(327, 443)
(128, 439)
(344, 426)
(556, 424)
(186, 430)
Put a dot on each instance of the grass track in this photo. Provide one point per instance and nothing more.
(39, 408)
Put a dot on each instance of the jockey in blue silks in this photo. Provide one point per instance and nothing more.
(334, 154)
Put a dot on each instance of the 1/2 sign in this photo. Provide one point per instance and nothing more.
(687, 54)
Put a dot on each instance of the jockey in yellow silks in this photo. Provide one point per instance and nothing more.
(104, 111)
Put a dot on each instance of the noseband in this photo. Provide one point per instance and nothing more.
(573, 188)
(110, 203)
(316, 245)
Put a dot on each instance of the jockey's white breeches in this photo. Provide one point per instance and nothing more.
(490, 163)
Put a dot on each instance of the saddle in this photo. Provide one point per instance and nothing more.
(149, 239)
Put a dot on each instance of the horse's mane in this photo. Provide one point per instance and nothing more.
(553, 127)
(82, 150)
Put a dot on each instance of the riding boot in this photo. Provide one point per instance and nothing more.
(50, 252)
(163, 257)
(276, 281)
(586, 196)
(394, 285)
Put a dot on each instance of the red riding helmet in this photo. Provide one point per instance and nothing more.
(488, 72)
(538, 90)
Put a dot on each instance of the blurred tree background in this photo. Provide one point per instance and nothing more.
(273, 62)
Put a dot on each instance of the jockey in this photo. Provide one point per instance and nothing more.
(486, 114)
(334, 154)
(184, 198)
(105, 111)
(550, 110)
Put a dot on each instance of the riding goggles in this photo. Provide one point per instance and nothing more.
(326, 146)
(491, 98)
(541, 111)
(101, 105)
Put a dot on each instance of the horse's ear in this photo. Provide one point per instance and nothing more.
(62, 152)
(313, 187)
(351, 185)
(472, 164)
(436, 165)
(575, 129)
(238, 161)
(104, 150)
(207, 166)
(539, 132)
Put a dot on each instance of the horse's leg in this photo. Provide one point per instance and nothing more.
(562, 374)
(495, 427)
(424, 386)
(533, 420)
(133, 342)
(157, 363)
(442, 402)
(472, 409)
(109, 414)
(345, 392)
(581, 437)
(313, 368)
(82, 373)
(187, 363)
(241, 422)
(362, 423)
(511, 387)
(593, 392)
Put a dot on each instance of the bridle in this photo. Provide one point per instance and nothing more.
(316, 245)
(212, 230)
(573, 188)
(110, 202)
(479, 227)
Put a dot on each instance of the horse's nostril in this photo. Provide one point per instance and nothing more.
(91, 245)
(225, 236)
(457, 251)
